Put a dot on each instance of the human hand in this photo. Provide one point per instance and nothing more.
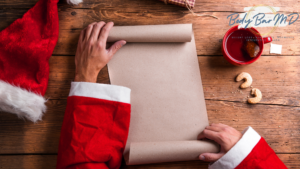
(92, 55)
(224, 135)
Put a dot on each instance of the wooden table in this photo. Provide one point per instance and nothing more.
(277, 117)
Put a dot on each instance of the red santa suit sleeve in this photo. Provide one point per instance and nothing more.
(95, 127)
(250, 152)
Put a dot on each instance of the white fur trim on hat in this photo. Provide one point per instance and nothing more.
(74, 2)
(21, 102)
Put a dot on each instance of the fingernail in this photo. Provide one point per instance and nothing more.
(202, 158)
(123, 43)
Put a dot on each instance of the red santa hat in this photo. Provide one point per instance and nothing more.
(25, 48)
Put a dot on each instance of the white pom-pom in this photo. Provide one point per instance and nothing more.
(74, 2)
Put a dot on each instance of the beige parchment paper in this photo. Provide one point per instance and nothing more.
(152, 33)
(167, 103)
(156, 152)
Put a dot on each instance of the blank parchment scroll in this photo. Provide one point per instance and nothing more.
(159, 64)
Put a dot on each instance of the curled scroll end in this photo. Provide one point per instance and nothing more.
(169, 151)
(126, 157)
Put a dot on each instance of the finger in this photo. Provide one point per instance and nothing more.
(219, 125)
(89, 30)
(115, 47)
(80, 40)
(212, 135)
(82, 34)
(96, 30)
(214, 128)
(210, 157)
(104, 32)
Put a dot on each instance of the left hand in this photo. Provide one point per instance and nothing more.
(92, 55)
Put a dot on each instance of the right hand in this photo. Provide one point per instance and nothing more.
(224, 135)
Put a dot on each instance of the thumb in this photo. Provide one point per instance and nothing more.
(210, 157)
(115, 47)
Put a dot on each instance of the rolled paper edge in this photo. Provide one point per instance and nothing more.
(170, 33)
(159, 152)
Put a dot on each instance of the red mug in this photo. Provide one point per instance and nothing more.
(233, 42)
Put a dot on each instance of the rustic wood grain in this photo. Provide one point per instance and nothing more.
(155, 5)
(49, 162)
(290, 160)
(276, 118)
(209, 32)
(279, 125)
(28, 162)
(277, 77)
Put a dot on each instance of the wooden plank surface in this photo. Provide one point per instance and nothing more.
(277, 77)
(279, 125)
(276, 118)
(155, 5)
(292, 161)
(209, 32)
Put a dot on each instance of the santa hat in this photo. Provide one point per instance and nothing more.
(25, 48)
(74, 2)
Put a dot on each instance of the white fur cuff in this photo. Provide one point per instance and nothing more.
(239, 151)
(21, 102)
(74, 2)
(101, 91)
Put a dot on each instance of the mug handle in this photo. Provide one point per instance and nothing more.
(267, 39)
